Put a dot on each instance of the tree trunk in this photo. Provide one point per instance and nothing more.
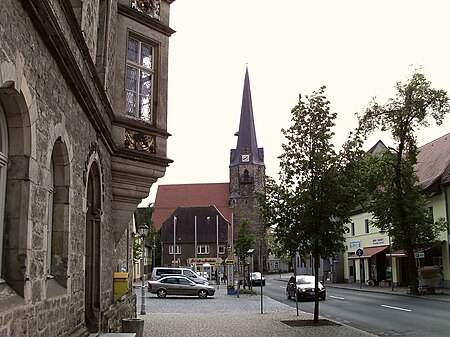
(412, 273)
(316, 281)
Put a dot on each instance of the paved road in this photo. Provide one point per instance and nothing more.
(382, 314)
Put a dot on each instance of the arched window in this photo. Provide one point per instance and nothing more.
(3, 168)
(51, 192)
(93, 249)
(58, 183)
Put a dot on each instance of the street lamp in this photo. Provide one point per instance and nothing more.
(153, 253)
(382, 232)
(217, 251)
(143, 231)
(174, 238)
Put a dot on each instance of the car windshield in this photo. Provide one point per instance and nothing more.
(256, 275)
(305, 279)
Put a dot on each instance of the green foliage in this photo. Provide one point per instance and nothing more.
(137, 249)
(244, 239)
(153, 236)
(311, 203)
(395, 197)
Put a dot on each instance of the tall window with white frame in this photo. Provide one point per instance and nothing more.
(140, 79)
(177, 250)
(3, 167)
(203, 249)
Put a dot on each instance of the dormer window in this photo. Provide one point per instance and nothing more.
(139, 80)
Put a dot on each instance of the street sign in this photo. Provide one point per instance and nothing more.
(419, 255)
(359, 252)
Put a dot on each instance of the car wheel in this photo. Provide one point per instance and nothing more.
(323, 297)
(264, 283)
(202, 293)
(161, 293)
(287, 295)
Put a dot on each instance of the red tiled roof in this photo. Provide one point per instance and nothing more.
(169, 197)
(433, 160)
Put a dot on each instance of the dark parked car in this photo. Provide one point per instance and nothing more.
(303, 287)
(257, 279)
(179, 285)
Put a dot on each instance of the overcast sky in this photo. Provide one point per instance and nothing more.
(357, 49)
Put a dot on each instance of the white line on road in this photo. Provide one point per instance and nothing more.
(396, 308)
(337, 297)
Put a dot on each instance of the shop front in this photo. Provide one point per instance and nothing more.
(369, 265)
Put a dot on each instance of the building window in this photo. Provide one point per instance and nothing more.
(430, 211)
(177, 250)
(51, 192)
(3, 167)
(139, 80)
(276, 266)
(203, 249)
(352, 228)
(366, 223)
(221, 249)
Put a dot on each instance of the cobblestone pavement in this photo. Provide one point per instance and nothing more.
(227, 315)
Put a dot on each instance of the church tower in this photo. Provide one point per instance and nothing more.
(247, 173)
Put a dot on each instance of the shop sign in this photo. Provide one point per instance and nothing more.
(378, 241)
(354, 244)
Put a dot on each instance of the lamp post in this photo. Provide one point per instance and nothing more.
(143, 231)
(383, 231)
(233, 197)
(153, 253)
(174, 239)
(217, 251)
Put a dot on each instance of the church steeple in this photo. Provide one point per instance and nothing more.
(247, 151)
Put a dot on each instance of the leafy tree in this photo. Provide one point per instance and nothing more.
(274, 247)
(153, 236)
(311, 203)
(137, 249)
(396, 201)
(244, 239)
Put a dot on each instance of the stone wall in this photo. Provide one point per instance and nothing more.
(56, 111)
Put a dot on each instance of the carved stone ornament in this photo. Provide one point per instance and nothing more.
(140, 141)
(149, 7)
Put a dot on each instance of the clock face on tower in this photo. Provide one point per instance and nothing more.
(245, 158)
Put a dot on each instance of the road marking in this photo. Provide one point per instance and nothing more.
(337, 297)
(396, 308)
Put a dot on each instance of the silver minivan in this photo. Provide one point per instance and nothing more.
(158, 272)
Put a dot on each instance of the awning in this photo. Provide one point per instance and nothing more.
(397, 253)
(368, 252)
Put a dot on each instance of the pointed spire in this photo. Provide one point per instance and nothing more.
(247, 151)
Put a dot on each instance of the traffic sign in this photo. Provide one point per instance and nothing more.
(359, 252)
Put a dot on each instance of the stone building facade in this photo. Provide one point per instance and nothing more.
(83, 133)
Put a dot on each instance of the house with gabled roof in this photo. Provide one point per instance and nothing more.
(170, 197)
(197, 237)
(383, 266)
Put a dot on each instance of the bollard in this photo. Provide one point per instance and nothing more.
(133, 325)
